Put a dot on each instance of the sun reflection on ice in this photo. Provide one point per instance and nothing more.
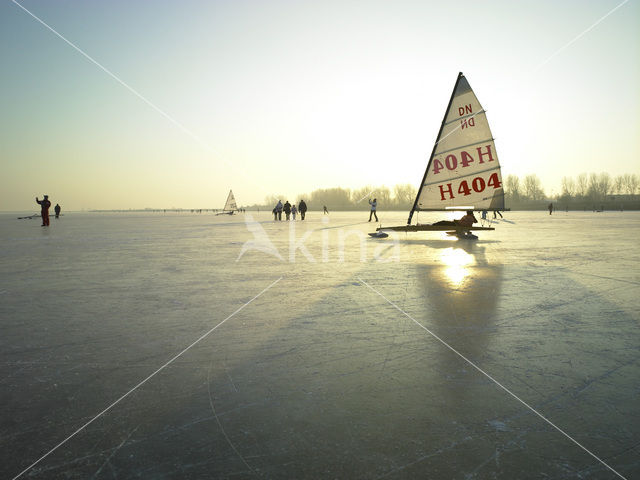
(457, 261)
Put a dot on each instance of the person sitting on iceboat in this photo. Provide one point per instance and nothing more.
(466, 221)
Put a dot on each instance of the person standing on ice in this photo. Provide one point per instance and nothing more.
(303, 209)
(279, 210)
(44, 209)
(287, 209)
(550, 207)
(294, 210)
(374, 205)
(57, 210)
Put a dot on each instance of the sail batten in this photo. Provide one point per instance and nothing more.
(463, 168)
(464, 176)
(469, 145)
(471, 115)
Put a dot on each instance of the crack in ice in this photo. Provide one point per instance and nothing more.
(141, 383)
(490, 377)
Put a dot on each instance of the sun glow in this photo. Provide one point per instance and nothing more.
(457, 261)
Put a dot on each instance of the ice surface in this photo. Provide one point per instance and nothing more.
(320, 376)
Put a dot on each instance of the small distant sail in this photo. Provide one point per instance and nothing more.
(230, 205)
(463, 171)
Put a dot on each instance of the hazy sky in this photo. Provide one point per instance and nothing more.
(283, 97)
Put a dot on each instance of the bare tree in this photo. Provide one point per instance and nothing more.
(404, 195)
(532, 187)
(512, 187)
(582, 185)
(332, 198)
(604, 184)
(630, 183)
(271, 200)
(383, 195)
(568, 187)
(593, 190)
(361, 194)
(618, 184)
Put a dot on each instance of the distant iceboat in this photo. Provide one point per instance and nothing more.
(463, 172)
(230, 206)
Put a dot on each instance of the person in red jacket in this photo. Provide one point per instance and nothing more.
(467, 221)
(44, 209)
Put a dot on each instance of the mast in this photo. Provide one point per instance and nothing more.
(446, 112)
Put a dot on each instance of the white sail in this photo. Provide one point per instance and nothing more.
(463, 171)
(230, 205)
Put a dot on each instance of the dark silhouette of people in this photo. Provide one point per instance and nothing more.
(325, 211)
(550, 207)
(498, 212)
(374, 205)
(57, 210)
(279, 208)
(466, 221)
(287, 210)
(302, 208)
(44, 209)
(275, 214)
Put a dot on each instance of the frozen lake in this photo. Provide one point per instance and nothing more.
(164, 346)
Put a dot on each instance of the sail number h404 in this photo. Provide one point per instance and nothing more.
(451, 161)
(478, 185)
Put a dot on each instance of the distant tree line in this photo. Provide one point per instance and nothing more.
(401, 197)
(586, 191)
